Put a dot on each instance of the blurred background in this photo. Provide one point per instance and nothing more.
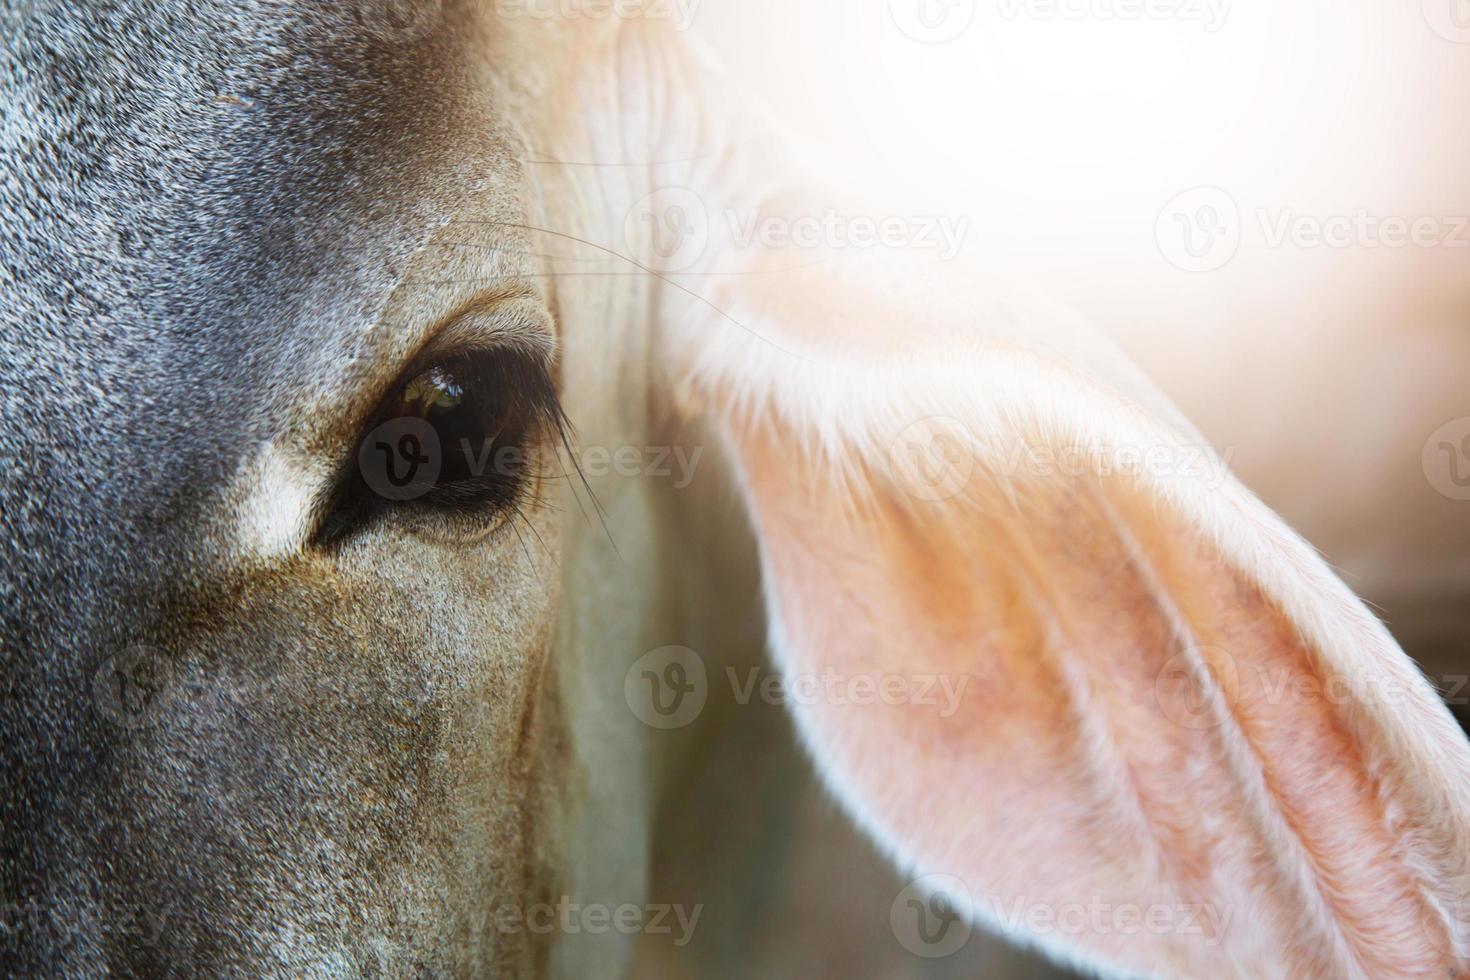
(1265, 203)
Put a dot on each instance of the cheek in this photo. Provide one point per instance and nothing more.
(461, 641)
(354, 740)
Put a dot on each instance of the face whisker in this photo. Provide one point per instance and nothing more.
(662, 277)
(486, 247)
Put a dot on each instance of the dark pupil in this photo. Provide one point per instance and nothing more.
(479, 442)
(488, 415)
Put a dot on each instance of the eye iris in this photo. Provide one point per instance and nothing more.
(473, 411)
(437, 389)
(463, 435)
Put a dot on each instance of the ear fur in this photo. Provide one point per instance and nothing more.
(1170, 709)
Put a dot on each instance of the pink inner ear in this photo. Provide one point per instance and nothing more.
(1141, 725)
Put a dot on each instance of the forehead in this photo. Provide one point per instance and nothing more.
(205, 209)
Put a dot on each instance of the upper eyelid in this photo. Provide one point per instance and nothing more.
(512, 319)
(514, 324)
(517, 323)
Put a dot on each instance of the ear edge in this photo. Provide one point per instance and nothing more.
(1029, 401)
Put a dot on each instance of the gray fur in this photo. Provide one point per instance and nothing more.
(179, 185)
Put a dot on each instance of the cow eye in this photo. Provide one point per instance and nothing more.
(457, 441)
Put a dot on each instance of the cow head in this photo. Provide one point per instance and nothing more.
(358, 360)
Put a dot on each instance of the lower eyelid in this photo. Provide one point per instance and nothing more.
(480, 527)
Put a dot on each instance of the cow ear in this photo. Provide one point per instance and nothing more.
(1062, 656)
